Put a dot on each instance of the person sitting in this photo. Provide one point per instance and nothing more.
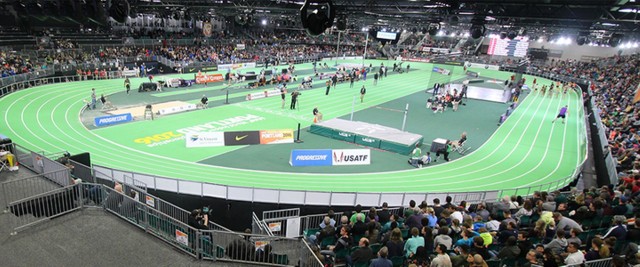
(426, 159)
(463, 138)
(7, 156)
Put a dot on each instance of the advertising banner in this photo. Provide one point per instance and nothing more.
(481, 66)
(113, 119)
(188, 69)
(240, 46)
(209, 78)
(237, 66)
(447, 62)
(263, 94)
(177, 109)
(205, 139)
(329, 157)
(276, 136)
(441, 71)
(129, 73)
(351, 157)
(241, 138)
(310, 157)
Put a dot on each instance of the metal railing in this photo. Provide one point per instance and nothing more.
(43, 207)
(24, 77)
(594, 263)
(27, 187)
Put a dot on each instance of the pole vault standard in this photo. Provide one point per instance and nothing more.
(404, 120)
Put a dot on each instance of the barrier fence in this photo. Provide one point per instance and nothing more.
(27, 187)
(594, 263)
(215, 244)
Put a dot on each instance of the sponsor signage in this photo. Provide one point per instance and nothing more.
(237, 66)
(209, 78)
(276, 136)
(448, 62)
(129, 73)
(436, 50)
(113, 119)
(188, 69)
(205, 139)
(330, 157)
(177, 109)
(441, 71)
(311, 157)
(263, 94)
(351, 157)
(240, 46)
(481, 66)
(242, 138)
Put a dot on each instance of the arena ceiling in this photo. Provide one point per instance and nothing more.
(530, 15)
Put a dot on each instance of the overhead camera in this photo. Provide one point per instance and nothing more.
(317, 16)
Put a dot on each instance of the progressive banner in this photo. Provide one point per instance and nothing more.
(330, 157)
(441, 71)
(113, 119)
(209, 78)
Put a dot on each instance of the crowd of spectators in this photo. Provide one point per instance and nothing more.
(549, 229)
(13, 64)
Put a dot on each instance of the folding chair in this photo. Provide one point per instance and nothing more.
(461, 148)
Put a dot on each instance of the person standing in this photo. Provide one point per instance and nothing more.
(381, 71)
(328, 87)
(294, 99)
(127, 84)
(334, 80)
(94, 98)
(436, 87)
(352, 80)
(562, 114)
(408, 66)
(363, 91)
(375, 79)
(463, 92)
(416, 155)
(283, 93)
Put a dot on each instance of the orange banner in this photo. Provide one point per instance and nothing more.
(636, 98)
(209, 78)
(276, 136)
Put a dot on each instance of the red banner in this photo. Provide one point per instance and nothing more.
(209, 78)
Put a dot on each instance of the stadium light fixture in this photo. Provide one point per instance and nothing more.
(264, 22)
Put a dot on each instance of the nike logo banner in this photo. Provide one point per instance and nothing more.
(242, 138)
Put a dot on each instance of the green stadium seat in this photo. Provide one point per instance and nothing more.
(398, 261)
(405, 233)
(375, 248)
(311, 231)
(493, 263)
(327, 241)
(282, 259)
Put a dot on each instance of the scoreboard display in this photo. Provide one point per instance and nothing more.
(504, 47)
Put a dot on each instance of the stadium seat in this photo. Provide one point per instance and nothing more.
(282, 259)
(398, 261)
(311, 231)
(375, 247)
(327, 241)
